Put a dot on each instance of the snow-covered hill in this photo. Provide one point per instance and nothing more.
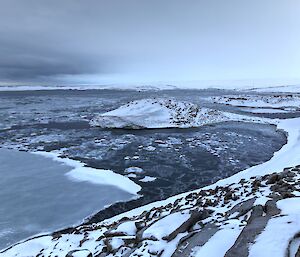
(161, 113)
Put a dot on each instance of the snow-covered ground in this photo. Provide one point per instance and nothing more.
(163, 113)
(279, 89)
(260, 101)
(253, 213)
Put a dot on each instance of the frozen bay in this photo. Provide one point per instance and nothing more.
(37, 197)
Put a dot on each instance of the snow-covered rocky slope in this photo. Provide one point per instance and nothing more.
(162, 113)
(253, 213)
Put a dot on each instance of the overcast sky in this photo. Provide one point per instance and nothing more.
(94, 41)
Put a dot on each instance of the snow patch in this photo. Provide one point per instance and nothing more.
(147, 179)
(227, 236)
(259, 101)
(166, 225)
(135, 170)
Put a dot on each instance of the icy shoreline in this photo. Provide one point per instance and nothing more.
(287, 156)
(96, 176)
(37, 196)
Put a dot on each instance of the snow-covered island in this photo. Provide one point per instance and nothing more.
(162, 113)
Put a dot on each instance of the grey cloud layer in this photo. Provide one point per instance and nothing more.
(18, 63)
(49, 39)
(158, 39)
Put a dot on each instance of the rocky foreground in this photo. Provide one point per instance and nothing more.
(249, 218)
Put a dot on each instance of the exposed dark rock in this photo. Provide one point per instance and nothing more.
(192, 220)
(298, 253)
(113, 234)
(270, 208)
(256, 184)
(187, 244)
(255, 225)
(273, 178)
(241, 208)
(139, 225)
(228, 195)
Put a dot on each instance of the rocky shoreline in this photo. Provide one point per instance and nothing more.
(246, 206)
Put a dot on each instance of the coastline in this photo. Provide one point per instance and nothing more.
(280, 160)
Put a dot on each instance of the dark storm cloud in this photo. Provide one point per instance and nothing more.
(50, 39)
(30, 63)
(149, 40)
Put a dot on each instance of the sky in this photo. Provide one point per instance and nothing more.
(139, 41)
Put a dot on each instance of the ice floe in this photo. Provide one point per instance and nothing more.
(96, 176)
(148, 179)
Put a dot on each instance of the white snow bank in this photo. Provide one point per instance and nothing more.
(260, 101)
(127, 227)
(274, 240)
(219, 243)
(166, 225)
(29, 249)
(279, 89)
(147, 179)
(289, 206)
(95, 176)
(135, 170)
(81, 253)
(158, 113)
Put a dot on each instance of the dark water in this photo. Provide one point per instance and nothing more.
(179, 159)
